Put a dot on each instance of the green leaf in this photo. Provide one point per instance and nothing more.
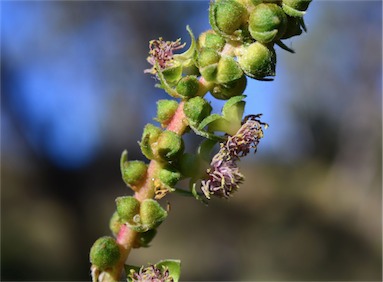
(174, 267)
(230, 108)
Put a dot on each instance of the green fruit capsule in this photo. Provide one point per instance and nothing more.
(149, 136)
(267, 23)
(127, 208)
(257, 60)
(188, 86)
(133, 172)
(169, 176)
(152, 214)
(295, 8)
(169, 146)
(226, 91)
(208, 60)
(228, 70)
(165, 111)
(210, 39)
(227, 16)
(105, 253)
(196, 109)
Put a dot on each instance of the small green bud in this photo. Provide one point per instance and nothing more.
(127, 208)
(115, 223)
(228, 16)
(196, 109)
(169, 145)
(295, 8)
(105, 253)
(208, 56)
(226, 91)
(209, 39)
(149, 136)
(267, 23)
(257, 60)
(169, 176)
(188, 86)
(133, 172)
(228, 70)
(165, 111)
(152, 214)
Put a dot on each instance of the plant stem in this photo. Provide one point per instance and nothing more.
(126, 236)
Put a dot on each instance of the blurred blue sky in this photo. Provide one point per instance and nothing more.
(61, 93)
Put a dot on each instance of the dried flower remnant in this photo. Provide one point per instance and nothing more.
(161, 53)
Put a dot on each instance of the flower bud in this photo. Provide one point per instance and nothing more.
(267, 23)
(105, 253)
(152, 214)
(210, 39)
(227, 16)
(257, 60)
(165, 111)
(207, 62)
(188, 86)
(127, 208)
(169, 146)
(149, 137)
(169, 176)
(295, 8)
(196, 109)
(226, 91)
(115, 223)
(133, 172)
(228, 70)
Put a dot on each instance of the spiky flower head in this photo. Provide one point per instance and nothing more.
(151, 274)
(224, 177)
(161, 53)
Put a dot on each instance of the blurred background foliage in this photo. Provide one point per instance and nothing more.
(74, 96)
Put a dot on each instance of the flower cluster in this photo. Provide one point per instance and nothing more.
(151, 274)
(224, 177)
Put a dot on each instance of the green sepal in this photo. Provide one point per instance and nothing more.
(173, 266)
(267, 22)
(228, 90)
(228, 70)
(150, 135)
(295, 8)
(187, 58)
(231, 118)
(226, 17)
(152, 214)
(169, 175)
(164, 84)
(188, 86)
(165, 111)
(293, 27)
(105, 253)
(169, 146)
(115, 223)
(196, 109)
(127, 208)
(133, 172)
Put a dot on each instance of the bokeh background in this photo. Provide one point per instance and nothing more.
(74, 96)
